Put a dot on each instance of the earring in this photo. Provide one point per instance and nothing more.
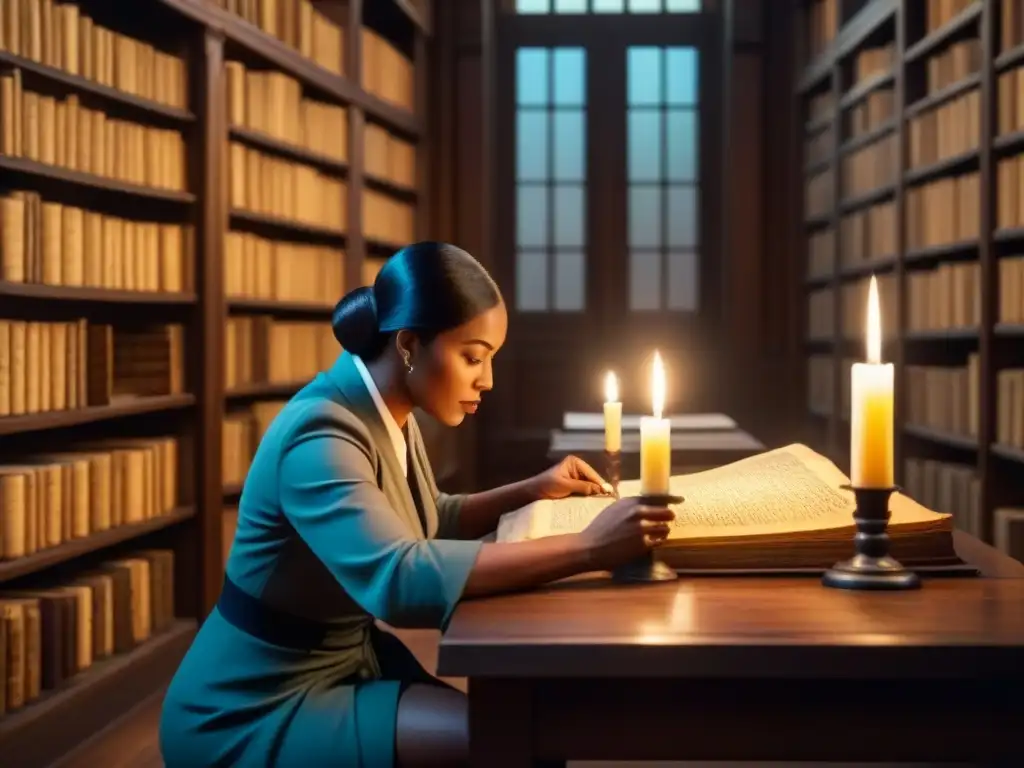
(408, 363)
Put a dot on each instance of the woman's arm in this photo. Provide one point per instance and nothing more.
(506, 567)
(479, 512)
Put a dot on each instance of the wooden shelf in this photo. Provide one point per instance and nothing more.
(233, 491)
(76, 548)
(280, 148)
(961, 442)
(47, 729)
(286, 227)
(870, 137)
(385, 185)
(868, 268)
(37, 422)
(31, 169)
(865, 88)
(965, 161)
(265, 390)
(873, 15)
(275, 307)
(68, 293)
(937, 252)
(942, 95)
(935, 40)
(1008, 452)
(944, 335)
(78, 84)
(865, 199)
(380, 247)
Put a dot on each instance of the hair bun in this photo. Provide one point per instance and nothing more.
(355, 324)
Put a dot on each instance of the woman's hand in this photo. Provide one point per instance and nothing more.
(570, 476)
(624, 531)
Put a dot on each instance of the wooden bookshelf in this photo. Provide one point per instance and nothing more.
(245, 174)
(942, 233)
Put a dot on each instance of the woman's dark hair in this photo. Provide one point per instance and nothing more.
(427, 288)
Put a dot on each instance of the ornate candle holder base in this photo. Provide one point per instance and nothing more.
(613, 469)
(648, 568)
(871, 567)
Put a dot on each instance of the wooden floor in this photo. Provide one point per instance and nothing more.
(132, 741)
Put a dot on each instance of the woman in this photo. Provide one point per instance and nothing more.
(340, 522)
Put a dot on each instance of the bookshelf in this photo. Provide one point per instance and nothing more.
(912, 143)
(186, 192)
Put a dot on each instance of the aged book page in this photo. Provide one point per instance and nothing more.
(791, 491)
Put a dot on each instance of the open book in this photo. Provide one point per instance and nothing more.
(782, 510)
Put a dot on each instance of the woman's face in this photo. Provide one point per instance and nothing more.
(451, 373)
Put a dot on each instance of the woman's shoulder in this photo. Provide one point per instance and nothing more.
(317, 412)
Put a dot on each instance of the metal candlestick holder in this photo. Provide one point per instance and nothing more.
(647, 567)
(871, 567)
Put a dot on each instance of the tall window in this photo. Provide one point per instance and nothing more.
(662, 125)
(550, 179)
(608, 6)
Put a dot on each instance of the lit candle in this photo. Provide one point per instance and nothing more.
(871, 403)
(612, 414)
(655, 442)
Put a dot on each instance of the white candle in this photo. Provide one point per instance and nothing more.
(612, 414)
(871, 403)
(655, 439)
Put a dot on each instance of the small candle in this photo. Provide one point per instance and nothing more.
(612, 414)
(655, 439)
(871, 404)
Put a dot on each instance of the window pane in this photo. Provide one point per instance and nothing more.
(531, 145)
(531, 281)
(644, 280)
(570, 281)
(683, 282)
(682, 76)
(570, 6)
(533, 6)
(645, 6)
(681, 134)
(570, 145)
(570, 77)
(682, 216)
(644, 76)
(682, 6)
(570, 219)
(532, 76)
(532, 216)
(644, 144)
(644, 216)
(608, 6)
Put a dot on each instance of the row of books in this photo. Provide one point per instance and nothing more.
(257, 268)
(299, 25)
(943, 211)
(945, 296)
(854, 297)
(387, 73)
(63, 35)
(821, 372)
(818, 147)
(1010, 192)
(63, 132)
(242, 431)
(955, 63)
(868, 235)
(46, 242)
(388, 157)
(821, 323)
(946, 487)
(1010, 101)
(943, 398)
(875, 110)
(388, 220)
(273, 103)
(266, 184)
(57, 366)
(50, 498)
(870, 167)
(50, 634)
(1011, 24)
(1010, 407)
(262, 349)
(819, 194)
(870, 62)
(820, 106)
(1011, 290)
(821, 253)
(950, 129)
(938, 13)
(822, 25)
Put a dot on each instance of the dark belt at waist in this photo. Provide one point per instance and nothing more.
(277, 627)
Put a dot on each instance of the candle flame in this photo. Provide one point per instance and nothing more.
(658, 385)
(874, 340)
(611, 388)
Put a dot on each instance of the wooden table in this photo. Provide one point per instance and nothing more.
(747, 669)
(694, 446)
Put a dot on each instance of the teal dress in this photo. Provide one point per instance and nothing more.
(291, 669)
